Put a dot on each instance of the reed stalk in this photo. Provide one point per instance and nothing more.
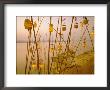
(69, 36)
(55, 41)
(49, 50)
(37, 49)
(90, 37)
(30, 65)
(29, 36)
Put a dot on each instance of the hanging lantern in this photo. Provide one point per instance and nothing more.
(51, 28)
(76, 25)
(28, 24)
(85, 21)
(63, 27)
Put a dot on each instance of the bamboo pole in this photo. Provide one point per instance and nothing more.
(69, 36)
(49, 50)
(60, 29)
(90, 37)
(29, 37)
(30, 65)
(26, 64)
(37, 51)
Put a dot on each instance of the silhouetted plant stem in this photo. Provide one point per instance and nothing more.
(37, 49)
(90, 37)
(60, 29)
(69, 36)
(49, 50)
(30, 65)
(26, 64)
(29, 36)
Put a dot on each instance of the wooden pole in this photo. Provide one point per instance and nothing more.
(49, 50)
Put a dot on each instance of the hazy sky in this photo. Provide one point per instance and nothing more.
(22, 33)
